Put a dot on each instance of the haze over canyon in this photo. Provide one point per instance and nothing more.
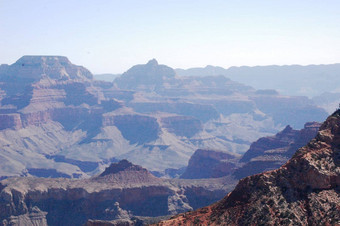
(157, 141)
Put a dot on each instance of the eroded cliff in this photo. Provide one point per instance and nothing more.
(122, 191)
(304, 191)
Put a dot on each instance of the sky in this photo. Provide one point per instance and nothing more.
(110, 36)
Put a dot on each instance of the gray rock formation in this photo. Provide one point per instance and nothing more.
(210, 164)
(269, 153)
(122, 191)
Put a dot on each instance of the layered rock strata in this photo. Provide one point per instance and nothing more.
(304, 191)
(270, 153)
(122, 191)
(210, 164)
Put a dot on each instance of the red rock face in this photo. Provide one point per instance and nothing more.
(304, 191)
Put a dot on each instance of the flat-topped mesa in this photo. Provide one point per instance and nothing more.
(41, 59)
(124, 172)
(33, 68)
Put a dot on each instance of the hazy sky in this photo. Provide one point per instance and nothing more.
(111, 36)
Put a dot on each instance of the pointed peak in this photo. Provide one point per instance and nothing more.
(287, 129)
(337, 112)
(153, 62)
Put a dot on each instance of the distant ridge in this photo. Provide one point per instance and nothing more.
(310, 80)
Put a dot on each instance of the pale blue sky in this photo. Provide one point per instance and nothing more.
(111, 36)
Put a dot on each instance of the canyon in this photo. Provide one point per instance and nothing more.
(56, 120)
(123, 192)
(304, 191)
(75, 151)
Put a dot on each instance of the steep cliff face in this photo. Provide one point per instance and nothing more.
(134, 127)
(29, 69)
(122, 191)
(210, 164)
(304, 191)
(282, 139)
(182, 125)
(270, 153)
(37, 87)
(12, 121)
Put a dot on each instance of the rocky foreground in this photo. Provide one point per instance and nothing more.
(304, 191)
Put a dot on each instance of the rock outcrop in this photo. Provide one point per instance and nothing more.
(12, 121)
(270, 153)
(124, 172)
(182, 125)
(304, 191)
(122, 191)
(37, 67)
(33, 217)
(134, 127)
(210, 164)
(148, 76)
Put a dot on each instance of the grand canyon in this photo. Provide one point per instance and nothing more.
(156, 142)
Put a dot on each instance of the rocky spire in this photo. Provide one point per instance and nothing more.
(152, 62)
